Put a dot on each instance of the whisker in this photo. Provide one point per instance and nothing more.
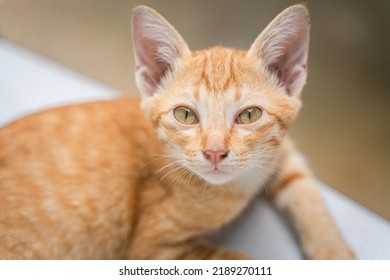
(205, 187)
(188, 181)
(170, 172)
(178, 162)
(161, 157)
(175, 180)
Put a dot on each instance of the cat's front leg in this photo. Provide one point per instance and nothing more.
(202, 250)
(296, 193)
(192, 249)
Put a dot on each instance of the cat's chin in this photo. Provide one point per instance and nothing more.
(217, 177)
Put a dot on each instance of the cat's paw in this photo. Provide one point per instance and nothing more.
(200, 250)
(223, 254)
(330, 251)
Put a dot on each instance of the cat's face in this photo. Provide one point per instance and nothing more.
(219, 117)
(221, 113)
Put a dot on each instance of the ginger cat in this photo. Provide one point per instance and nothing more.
(109, 180)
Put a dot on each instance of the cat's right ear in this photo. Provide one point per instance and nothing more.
(157, 48)
(283, 48)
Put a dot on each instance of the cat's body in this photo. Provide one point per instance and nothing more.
(101, 181)
(74, 196)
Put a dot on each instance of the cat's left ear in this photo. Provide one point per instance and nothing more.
(283, 48)
(157, 48)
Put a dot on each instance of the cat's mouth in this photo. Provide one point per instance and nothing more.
(216, 175)
(217, 170)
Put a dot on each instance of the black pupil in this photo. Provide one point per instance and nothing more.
(187, 112)
(249, 113)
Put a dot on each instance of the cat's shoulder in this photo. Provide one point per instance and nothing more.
(92, 111)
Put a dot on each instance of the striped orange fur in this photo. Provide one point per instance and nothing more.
(131, 179)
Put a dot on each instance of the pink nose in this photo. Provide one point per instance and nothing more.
(215, 156)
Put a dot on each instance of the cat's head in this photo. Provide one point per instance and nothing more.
(222, 113)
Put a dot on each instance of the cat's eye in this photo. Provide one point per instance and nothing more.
(185, 115)
(249, 115)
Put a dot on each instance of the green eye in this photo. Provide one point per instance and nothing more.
(250, 115)
(185, 115)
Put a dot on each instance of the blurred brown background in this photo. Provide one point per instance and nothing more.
(344, 126)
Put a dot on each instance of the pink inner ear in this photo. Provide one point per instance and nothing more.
(149, 78)
(157, 47)
(290, 67)
(283, 48)
(156, 68)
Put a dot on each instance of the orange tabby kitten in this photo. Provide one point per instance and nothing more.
(101, 181)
